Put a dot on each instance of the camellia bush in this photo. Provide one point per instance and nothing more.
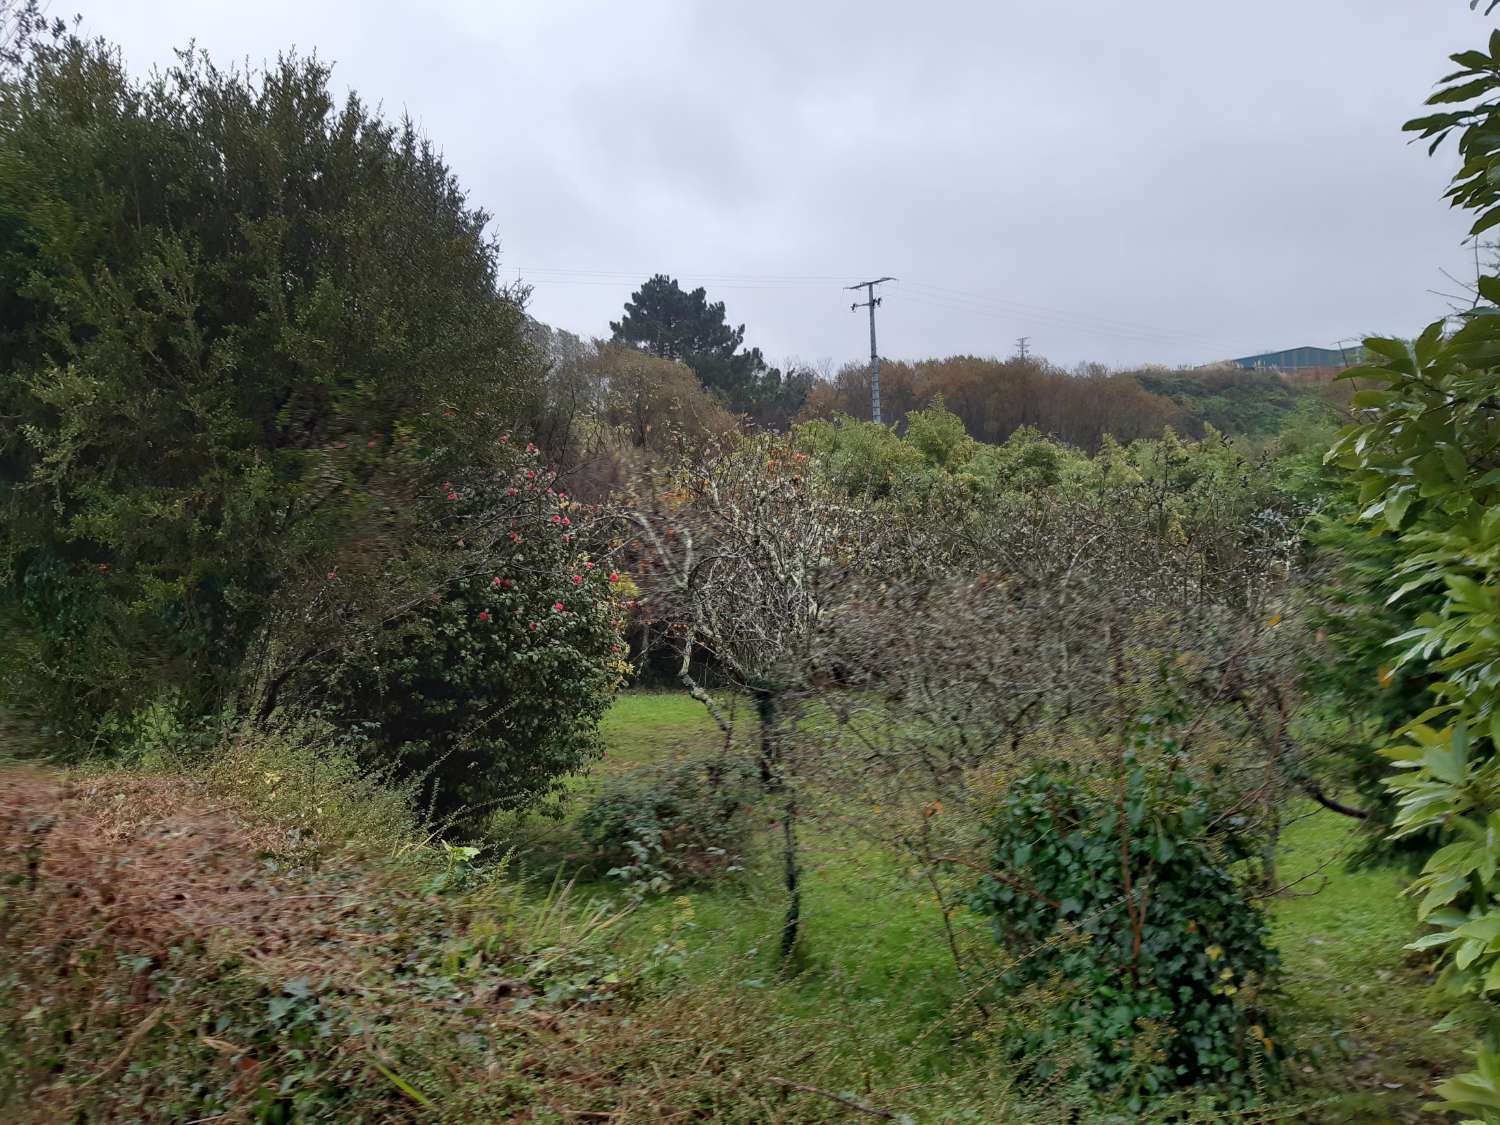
(489, 689)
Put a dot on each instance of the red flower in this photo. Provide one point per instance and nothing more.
(484, 615)
(533, 626)
(558, 607)
(557, 519)
(452, 496)
(589, 565)
(514, 538)
(567, 522)
(497, 582)
(530, 448)
(577, 578)
(614, 577)
(530, 474)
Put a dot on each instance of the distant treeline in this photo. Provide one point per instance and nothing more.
(996, 397)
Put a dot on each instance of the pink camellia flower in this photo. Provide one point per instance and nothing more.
(531, 474)
(557, 519)
(567, 539)
(497, 582)
(588, 566)
(550, 492)
(484, 615)
(530, 447)
(514, 538)
(452, 496)
(577, 578)
(510, 492)
(533, 626)
(333, 576)
(614, 577)
(567, 522)
(558, 607)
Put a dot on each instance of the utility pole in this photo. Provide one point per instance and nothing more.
(1021, 347)
(870, 303)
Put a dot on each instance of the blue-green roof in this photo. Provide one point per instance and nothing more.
(1292, 359)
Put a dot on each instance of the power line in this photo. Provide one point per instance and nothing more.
(1006, 304)
(935, 296)
(871, 302)
(1020, 318)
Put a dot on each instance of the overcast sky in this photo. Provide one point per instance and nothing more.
(1164, 181)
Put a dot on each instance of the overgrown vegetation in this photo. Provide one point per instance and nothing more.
(985, 795)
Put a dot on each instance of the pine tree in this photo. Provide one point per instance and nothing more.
(664, 319)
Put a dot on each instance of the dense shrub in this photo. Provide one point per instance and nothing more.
(1137, 1000)
(491, 688)
(244, 324)
(673, 825)
(1362, 688)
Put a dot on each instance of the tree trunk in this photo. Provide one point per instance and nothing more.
(773, 780)
(793, 921)
(770, 767)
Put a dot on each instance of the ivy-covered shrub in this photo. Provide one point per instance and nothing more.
(491, 688)
(669, 826)
(1142, 957)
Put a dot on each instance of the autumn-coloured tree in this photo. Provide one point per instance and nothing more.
(994, 398)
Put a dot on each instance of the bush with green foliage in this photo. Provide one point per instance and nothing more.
(675, 825)
(1131, 940)
(1424, 456)
(490, 689)
(245, 325)
(1361, 690)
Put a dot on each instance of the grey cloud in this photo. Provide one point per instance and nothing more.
(1230, 177)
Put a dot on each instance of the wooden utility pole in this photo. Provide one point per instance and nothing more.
(870, 303)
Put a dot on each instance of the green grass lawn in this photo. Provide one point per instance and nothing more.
(877, 974)
(1358, 1008)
